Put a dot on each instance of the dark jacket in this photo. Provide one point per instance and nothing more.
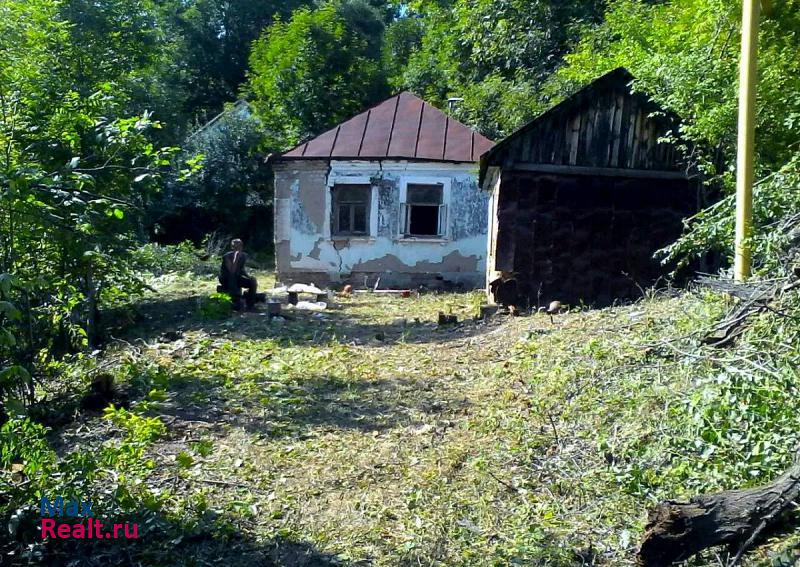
(233, 266)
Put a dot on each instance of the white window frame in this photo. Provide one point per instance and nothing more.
(373, 206)
(444, 217)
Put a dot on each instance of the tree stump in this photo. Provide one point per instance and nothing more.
(677, 530)
(445, 319)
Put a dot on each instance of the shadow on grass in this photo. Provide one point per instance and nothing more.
(280, 409)
(195, 541)
(156, 319)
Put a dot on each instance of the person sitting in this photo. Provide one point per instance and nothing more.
(233, 276)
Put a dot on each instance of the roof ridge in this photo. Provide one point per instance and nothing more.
(446, 130)
(394, 118)
(419, 127)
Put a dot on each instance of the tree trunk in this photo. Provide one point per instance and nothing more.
(91, 303)
(678, 530)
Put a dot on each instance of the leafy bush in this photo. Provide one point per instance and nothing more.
(179, 258)
(740, 419)
(216, 306)
(776, 206)
(22, 442)
(139, 429)
(30, 469)
(231, 187)
(15, 380)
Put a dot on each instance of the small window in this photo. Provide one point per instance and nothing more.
(350, 210)
(424, 210)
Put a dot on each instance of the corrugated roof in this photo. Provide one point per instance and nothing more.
(402, 127)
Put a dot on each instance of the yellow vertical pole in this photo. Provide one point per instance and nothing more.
(746, 139)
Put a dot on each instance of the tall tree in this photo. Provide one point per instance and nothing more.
(320, 67)
(232, 192)
(75, 172)
(493, 54)
(215, 42)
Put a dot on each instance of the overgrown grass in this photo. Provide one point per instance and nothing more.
(370, 435)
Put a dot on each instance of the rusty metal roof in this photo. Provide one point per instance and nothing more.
(402, 127)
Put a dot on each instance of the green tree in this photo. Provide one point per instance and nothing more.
(685, 54)
(232, 191)
(403, 37)
(128, 47)
(315, 70)
(75, 172)
(493, 54)
(214, 38)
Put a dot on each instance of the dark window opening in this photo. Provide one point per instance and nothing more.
(424, 210)
(350, 210)
(423, 220)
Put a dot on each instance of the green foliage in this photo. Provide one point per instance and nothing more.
(23, 442)
(776, 205)
(184, 459)
(212, 42)
(216, 306)
(684, 54)
(139, 429)
(740, 419)
(15, 380)
(402, 38)
(30, 469)
(117, 42)
(75, 170)
(315, 70)
(232, 188)
(158, 260)
(492, 54)
(204, 447)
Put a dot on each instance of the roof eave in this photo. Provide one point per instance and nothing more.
(371, 158)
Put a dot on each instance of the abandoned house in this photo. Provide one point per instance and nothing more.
(392, 194)
(584, 195)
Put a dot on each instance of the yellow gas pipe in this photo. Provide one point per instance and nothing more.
(745, 143)
(748, 70)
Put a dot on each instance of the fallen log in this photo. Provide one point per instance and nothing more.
(677, 530)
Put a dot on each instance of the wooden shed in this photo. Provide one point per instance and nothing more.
(584, 195)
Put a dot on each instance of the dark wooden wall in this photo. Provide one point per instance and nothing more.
(584, 238)
(603, 125)
(588, 193)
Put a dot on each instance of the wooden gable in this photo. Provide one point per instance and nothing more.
(603, 126)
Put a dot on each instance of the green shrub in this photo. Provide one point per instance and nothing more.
(216, 306)
(159, 260)
(22, 442)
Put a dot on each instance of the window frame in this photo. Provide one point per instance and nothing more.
(443, 222)
(334, 204)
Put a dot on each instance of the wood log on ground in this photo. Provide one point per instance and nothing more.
(677, 530)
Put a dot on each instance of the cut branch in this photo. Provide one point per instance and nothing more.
(677, 530)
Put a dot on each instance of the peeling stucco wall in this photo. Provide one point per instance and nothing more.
(305, 250)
